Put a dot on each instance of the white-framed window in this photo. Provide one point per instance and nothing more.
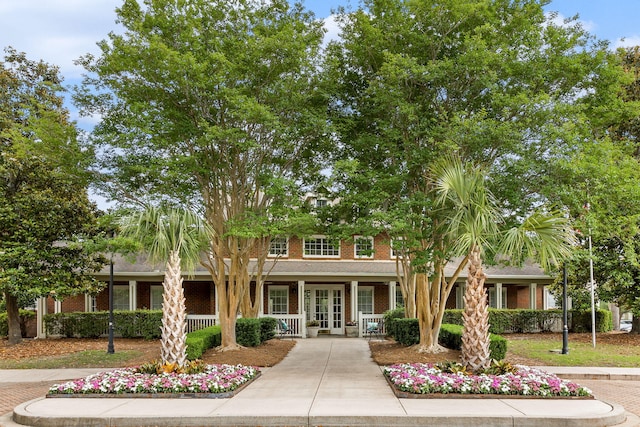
(321, 246)
(399, 297)
(365, 299)
(550, 300)
(121, 297)
(321, 203)
(156, 297)
(279, 247)
(363, 247)
(278, 300)
(398, 248)
(493, 303)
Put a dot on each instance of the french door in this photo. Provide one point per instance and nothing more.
(325, 303)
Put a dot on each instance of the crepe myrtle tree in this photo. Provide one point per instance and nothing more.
(218, 105)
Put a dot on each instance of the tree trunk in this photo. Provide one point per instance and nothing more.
(174, 321)
(475, 334)
(429, 316)
(13, 318)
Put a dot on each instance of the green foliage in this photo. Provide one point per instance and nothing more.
(201, 340)
(407, 331)
(48, 224)
(127, 324)
(267, 328)
(532, 321)
(451, 337)
(390, 316)
(248, 332)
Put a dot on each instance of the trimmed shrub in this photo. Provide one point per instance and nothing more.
(248, 332)
(127, 324)
(581, 321)
(390, 316)
(201, 340)
(407, 331)
(267, 328)
(451, 337)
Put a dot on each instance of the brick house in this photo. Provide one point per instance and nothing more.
(311, 278)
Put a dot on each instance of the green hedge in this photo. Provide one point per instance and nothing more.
(451, 337)
(268, 327)
(126, 324)
(201, 340)
(248, 332)
(531, 321)
(25, 316)
(390, 318)
(407, 331)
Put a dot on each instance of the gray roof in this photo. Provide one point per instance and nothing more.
(318, 270)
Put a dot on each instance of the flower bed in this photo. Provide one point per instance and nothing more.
(427, 379)
(215, 379)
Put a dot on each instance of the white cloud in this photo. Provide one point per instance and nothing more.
(627, 42)
(56, 31)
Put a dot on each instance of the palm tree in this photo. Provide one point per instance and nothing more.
(176, 237)
(473, 227)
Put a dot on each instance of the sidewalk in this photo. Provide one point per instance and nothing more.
(328, 382)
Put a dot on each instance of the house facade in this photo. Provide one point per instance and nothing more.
(313, 278)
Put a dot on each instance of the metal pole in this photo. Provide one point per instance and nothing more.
(110, 349)
(593, 293)
(565, 323)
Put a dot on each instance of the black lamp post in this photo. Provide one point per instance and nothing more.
(110, 349)
(565, 326)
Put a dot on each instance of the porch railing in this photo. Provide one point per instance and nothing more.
(200, 321)
(365, 319)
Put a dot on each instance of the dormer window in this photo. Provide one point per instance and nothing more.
(321, 246)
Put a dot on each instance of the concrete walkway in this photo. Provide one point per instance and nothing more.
(328, 382)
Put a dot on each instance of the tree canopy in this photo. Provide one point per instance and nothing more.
(46, 218)
(216, 106)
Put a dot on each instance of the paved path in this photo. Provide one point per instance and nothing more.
(328, 382)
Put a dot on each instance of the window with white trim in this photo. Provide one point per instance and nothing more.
(493, 303)
(399, 297)
(398, 247)
(363, 247)
(279, 246)
(365, 299)
(278, 300)
(121, 297)
(156, 297)
(321, 246)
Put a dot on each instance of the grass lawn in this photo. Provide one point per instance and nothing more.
(615, 349)
(82, 359)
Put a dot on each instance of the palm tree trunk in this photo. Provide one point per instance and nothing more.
(475, 335)
(174, 318)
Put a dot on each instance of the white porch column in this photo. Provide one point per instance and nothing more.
(41, 308)
(460, 289)
(498, 288)
(87, 303)
(301, 298)
(133, 294)
(57, 306)
(354, 300)
(533, 296)
(261, 306)
(392, 296)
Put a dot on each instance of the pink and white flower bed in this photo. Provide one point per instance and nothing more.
(214, 379)
(420, 378)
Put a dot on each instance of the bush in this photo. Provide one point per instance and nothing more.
(390, 316)
(407, 331)
(201, 340)
(248, 332)
(451, 337)
(581, 321)
(267, 328)
(127, 324)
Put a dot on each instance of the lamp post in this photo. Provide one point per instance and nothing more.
(565, 325)
(110, 349)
